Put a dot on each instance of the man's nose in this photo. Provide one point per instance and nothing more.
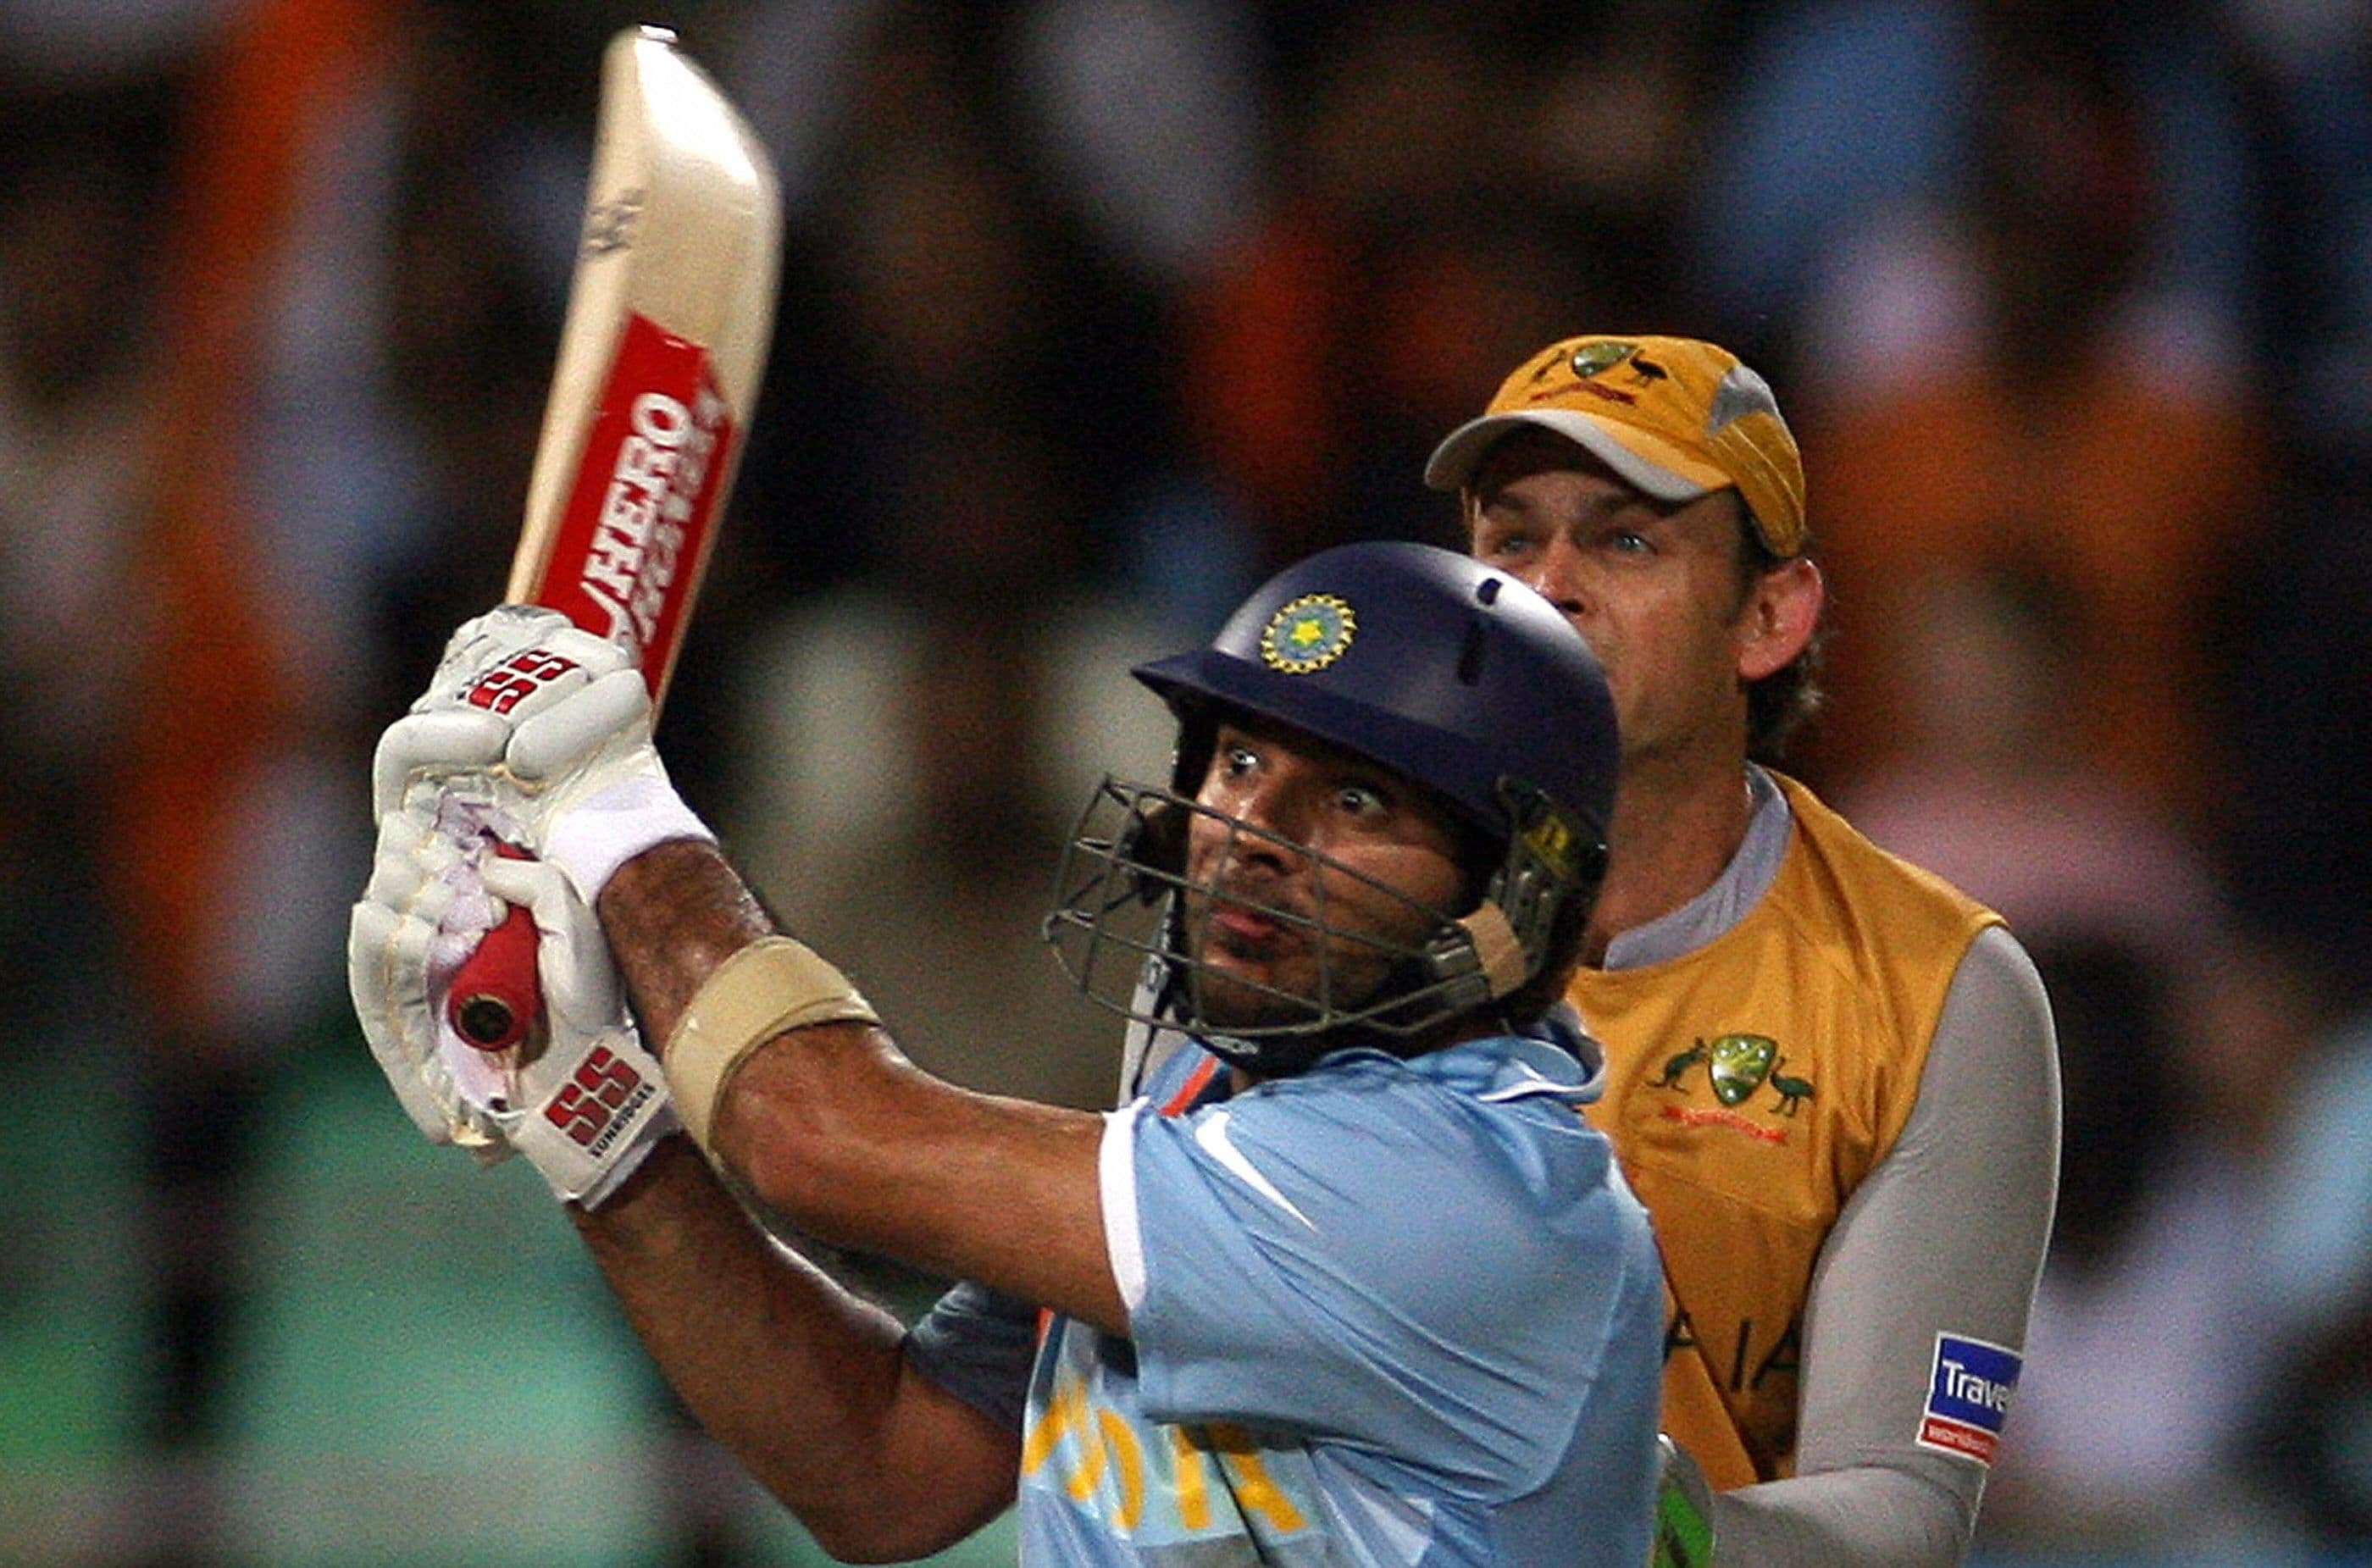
(1556, 574)
(1275, 808)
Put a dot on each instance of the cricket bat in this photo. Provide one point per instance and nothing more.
(671, 314)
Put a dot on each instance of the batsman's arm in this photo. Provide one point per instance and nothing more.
(825, 1129)
(805, 1109)
(802, 1381)
(830, 1127)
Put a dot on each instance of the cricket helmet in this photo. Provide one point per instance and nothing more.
(1444, 672)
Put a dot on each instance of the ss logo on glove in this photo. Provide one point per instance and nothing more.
(602, 1094)
(517, 678)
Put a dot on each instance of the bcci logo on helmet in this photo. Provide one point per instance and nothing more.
(1308, 634)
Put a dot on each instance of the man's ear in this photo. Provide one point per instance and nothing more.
(1780, 614)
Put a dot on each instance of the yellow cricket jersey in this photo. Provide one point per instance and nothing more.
(1750, 1086)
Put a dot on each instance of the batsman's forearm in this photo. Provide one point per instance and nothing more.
(801, 1380)
(671, 915)
(830, 1127)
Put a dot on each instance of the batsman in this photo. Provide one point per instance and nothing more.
(1349, 1283)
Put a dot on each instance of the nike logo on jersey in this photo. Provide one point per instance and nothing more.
(1212, 1133)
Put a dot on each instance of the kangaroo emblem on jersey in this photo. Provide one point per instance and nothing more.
(1736, 1066)
(1677, 1065)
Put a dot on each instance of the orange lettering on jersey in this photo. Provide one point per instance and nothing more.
(1066, 1411)
(1193, 1481)
(1081, 1483)
(1127, 1460)
(1693, 1116)
(1255, 1492)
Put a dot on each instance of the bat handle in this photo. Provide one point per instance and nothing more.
(495, 999)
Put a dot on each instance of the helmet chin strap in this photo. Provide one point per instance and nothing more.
(1477, 960)
(1498, 951)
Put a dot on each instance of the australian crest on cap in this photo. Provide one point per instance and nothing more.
(1595, 359)
(1308, 634)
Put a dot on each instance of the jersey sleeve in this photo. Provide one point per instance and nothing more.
(1932, 1267)
(1368, 1259)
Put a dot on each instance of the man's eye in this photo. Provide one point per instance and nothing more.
(1240, 760)
(1502, 546)
(1360, 801)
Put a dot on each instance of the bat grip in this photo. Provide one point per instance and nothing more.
(495, 999)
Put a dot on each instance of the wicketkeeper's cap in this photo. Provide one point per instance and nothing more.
(1678, 417)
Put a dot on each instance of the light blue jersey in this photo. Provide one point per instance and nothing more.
(1385, 1312)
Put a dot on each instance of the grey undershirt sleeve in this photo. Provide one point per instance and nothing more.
(1946, 1234)
(979, 1344)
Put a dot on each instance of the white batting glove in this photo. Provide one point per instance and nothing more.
(562, 719)
(423, 912)
(583, 1101)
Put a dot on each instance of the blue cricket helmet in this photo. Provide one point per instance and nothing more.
(1441, 670)
(1427, 661)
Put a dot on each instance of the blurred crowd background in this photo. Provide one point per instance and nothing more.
(1093, 312)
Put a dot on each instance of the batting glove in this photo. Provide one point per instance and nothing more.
(561, 720)
(582, 1101)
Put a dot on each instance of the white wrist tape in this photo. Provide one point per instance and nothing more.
(772, 985)
(591, 839)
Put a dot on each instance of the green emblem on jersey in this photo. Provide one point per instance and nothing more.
(1308, 634)
(1738, 1065)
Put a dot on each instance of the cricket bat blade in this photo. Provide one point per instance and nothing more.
(662, 349)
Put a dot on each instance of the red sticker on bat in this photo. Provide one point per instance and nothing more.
(627, 555)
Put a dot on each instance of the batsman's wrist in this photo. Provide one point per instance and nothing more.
(589, 841)
(774, 984)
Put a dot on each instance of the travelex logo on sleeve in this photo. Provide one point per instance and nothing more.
(1968, 1395)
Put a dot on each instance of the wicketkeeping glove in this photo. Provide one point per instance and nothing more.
(583, 1101)
(1683, 1511)
(561, 720)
